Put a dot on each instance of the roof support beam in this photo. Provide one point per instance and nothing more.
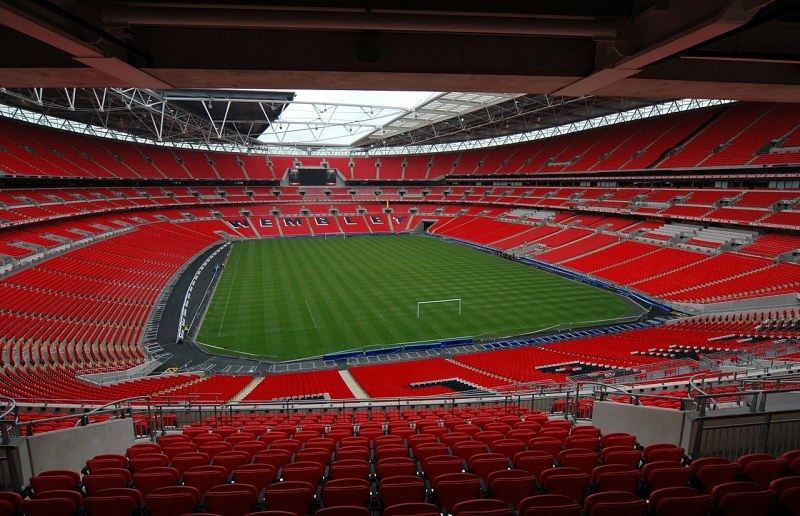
(659, 33)
(88, 54)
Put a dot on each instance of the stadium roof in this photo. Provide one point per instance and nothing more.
(305, 118)
(246, 72)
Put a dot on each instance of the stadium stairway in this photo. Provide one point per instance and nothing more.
(482, 371)
(247, 389)
(353, 385)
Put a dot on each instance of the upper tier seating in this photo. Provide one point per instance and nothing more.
(731, 135)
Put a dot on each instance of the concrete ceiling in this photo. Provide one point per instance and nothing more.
(733, 49)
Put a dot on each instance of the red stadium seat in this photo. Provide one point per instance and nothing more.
(293, 497)
(167, 501)
(549, 505)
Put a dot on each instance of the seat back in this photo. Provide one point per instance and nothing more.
(304, 471)
(483, 464)
(231, 460)
(630, 508)
(349, 468)
(106, 478)
(321, 456)
(412, 509)
(585, 442)
(205, 477)
(147, 460)
(230, 499)
(186, 461)
(669, 477)
(49, 507)
(105, 505)
(275, 458)
(752, 503)
(662, 452)
(75, 496)
(401, 489)
(172, 450)
(607, 497)
(550, 505)
(291, 496)
(712, 475)
(257, 475)
(695, 505)
(511, 485)
(466, 449)
(584, 460)
(547, 444)
(618, 439)
(438, 465)
(628, 457)
(573, 485)
(533, 461)
(508, 447)
(453, 488)
(762, 472)
(346, 491)
(344, 510)
(352, 452)
(42, 483)
(395, 466)
(627, 481)
(425, 450)
(790, 500)
(152, 478)
(482, 507)
(167, 501)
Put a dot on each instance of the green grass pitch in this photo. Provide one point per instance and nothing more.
(292, 298)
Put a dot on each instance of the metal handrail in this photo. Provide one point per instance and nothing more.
(83, 419)
(602, 387)
(4, 423)
(703, 395)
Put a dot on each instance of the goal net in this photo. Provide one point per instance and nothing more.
(434, 301)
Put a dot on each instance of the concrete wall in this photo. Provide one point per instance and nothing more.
(649, 424)
(69, 448)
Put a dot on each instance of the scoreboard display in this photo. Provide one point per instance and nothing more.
(307, 176)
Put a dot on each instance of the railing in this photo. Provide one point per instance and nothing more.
(638, 374)
(113, 377)
(601, 393)
(704, 397)
(762, 429)
(122, 409)
(10, 409)
(187, 413)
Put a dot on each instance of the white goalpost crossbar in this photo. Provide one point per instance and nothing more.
(420, 303)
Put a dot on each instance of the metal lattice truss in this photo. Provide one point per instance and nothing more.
(358, 125)
(253, 117)
(451, 106)
(261, 122)
(209, 117)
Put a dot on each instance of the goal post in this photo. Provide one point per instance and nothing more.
(455, 300)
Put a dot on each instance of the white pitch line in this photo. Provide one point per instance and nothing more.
(228, 299)
(309, 313)
(382, 317)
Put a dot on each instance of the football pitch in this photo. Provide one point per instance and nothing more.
(304, 297)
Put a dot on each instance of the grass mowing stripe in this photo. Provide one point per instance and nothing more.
(294, 298)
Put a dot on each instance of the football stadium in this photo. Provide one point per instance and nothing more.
(400, 258)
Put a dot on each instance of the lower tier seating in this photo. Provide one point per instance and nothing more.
(480, 460)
